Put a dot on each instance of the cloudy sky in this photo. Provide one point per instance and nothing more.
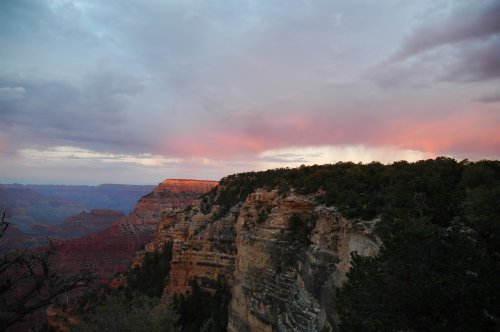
(127, 91)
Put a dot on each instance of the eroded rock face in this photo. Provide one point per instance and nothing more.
(203, 248)
(79, 225)
(285, 275)
(86, 223)
(112, 249)
(282, 258)
(170, 194)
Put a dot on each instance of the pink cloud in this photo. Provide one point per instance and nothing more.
(469, 133)
(466, 133)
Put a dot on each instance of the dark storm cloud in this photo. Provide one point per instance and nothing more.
(477, 62)
(466, 20)
(460, 44)
(60, 110)
(216, 82)
(493, 97)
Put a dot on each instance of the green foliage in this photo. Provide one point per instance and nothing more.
(149, 277)
(200, 311)
(300, 229)
(140, 294)
(425, 279)
(137, 313)
(438, 268)
(263, 213)
(440, 225)
(361, 191)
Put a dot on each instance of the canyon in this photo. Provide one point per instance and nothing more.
(112, 249)
(282, 256)
(118, 197)
(42, 212)
(302, 249)
(76, 226)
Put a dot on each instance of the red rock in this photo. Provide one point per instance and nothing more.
(111, 250)
(86, 223)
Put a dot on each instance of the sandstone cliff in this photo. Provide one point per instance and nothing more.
(281, 256)
(291, 255)
(112, 249)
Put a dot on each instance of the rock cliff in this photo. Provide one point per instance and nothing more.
(281, 256)
(79, 225)
(86, 223)
(111, 250)
(203, 248)
(291, 255)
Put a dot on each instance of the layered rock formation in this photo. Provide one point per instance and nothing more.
(282, 258)
(118, 197)
(86, 223)
(25, 207)
(79, 225)
(42, 212)
(112, 249)
(203, 248)
(291, 255)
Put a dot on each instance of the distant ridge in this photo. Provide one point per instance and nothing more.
(111, 250)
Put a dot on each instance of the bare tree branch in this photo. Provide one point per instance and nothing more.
(4, 224)
(29, 280)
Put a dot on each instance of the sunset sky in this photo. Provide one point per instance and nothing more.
(127, 91)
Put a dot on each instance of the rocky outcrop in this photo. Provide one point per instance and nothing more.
(79, 225)
(290, 258)
(43, 212)
(204, 248)
(282, 258)
(112, 249)
(86, 223)
(170, 194)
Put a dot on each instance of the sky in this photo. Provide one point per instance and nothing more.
(126, 91)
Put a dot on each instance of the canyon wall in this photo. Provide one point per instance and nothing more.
(203, 249)
(79, 225)
(76, 226)
(111, 250)
(281, 256)
(291, 255)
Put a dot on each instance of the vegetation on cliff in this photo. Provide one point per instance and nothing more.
(439, 264)
(135, 304)
(437, 269)
(429, 187)
(201, 311)
(137, 313)
(150, 276)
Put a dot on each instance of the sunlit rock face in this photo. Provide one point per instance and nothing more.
(281, 257)
(170, 194)
(111, 250)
